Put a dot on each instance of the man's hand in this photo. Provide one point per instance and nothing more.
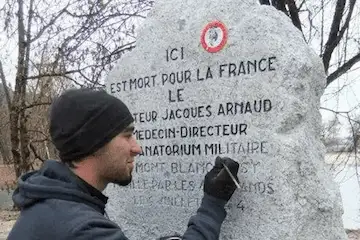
(218, 182)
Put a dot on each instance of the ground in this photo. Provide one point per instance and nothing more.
(7, 176)
(354, 235)
(7, 220)
(7, 217)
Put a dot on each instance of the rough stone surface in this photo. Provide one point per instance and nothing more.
(266, 117)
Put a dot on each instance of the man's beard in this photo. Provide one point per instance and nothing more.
(123, 182)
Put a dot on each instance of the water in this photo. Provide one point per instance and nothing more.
(348, 181)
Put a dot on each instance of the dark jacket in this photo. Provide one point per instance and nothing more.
(57, 205)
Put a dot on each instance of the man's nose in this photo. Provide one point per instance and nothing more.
(136, 149)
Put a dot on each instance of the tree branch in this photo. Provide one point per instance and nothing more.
(322, 27)
(27, 51)
(40, 140)
(294, 14)
(353, 135)
(52, 21)
(37, 156)
(6, 90)
(55, 74)
(74, 81)
(96, 82)
(40, 132)
(301, 4)
(340, 113)
(280, 5)
(342, 69)
(264, 2)
(126, 47)
(335, 26)
(36, 105)
(90, 14)
(345, 26)
(347, 21)
(107, 16)
(21, 51)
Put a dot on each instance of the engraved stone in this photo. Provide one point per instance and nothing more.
(228, 78)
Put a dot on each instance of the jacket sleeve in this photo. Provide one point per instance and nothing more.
(206, 224)
(97, 228)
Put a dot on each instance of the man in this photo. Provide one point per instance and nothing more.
(93, 132)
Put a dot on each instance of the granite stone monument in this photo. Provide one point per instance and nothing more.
(225, 78)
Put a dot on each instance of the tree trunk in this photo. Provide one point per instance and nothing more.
(24, 143)
(3, 151)
(14, 135)
(18, 129)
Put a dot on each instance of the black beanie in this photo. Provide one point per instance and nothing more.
(84, 120)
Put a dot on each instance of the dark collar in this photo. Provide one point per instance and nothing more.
(91, 190)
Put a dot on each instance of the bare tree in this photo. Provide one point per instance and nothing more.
(332, 25)
(79, 39)
(354, 136)
(330, 134)
(338, 36)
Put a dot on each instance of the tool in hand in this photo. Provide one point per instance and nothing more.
(231, 176)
